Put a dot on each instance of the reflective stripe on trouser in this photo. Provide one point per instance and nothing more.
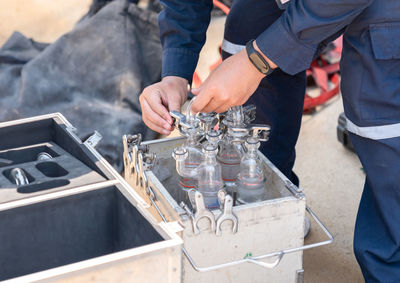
(374, 132)
(377, 231)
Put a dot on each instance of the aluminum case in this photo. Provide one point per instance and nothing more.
(90, 227)
(270, 239)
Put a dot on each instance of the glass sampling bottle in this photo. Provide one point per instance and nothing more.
(188, 157)
(251, 179)
(229, 156)
(209, 176)
(231, 151)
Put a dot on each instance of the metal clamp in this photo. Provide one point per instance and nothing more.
(226, 201)
(208, 121)
(201, 211)
(256, 260)
(260, 132)
(180, 119)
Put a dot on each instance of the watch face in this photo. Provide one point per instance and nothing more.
(262, 67)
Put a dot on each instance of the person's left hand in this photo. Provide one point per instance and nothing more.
(230, 84)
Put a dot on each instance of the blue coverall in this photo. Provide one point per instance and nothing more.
(370, 68)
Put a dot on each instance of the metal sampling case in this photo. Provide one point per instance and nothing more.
(74, 218)
(268, 243)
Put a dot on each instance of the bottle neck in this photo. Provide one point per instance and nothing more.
(209, 157)
(252, 151)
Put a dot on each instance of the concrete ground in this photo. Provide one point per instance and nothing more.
(43, 20)
(330, 175)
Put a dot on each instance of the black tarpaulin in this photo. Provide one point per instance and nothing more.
(93, 75)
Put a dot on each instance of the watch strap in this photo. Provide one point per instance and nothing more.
(257, 59)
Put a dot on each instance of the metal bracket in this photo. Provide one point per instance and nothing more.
(256, 259)
(94, 139)
(300, 276)
(227, 213)
(201, 211)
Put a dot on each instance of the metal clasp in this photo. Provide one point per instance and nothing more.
(94, 139)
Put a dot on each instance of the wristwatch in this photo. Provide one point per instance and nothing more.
(257, 59)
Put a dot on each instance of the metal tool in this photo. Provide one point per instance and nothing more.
(226, 201)
(260, 132)
(19, 177)
(44, 156)
(208, 121)
(201, 211)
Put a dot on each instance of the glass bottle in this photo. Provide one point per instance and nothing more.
(231, 151)
(229, 156)
(209, 176)
(188, 157)
(251, 179)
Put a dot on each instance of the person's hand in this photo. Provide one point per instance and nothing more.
(230, 84)
(158, 99)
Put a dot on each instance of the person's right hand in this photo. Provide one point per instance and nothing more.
(158, 99)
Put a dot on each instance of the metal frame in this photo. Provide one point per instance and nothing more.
(294, 190)
(255, 260)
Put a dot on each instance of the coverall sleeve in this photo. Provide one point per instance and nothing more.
(292, 40)
(183, 25)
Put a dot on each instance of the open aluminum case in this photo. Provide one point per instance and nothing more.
(269, 243)
(77, 220)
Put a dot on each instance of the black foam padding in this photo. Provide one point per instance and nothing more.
(45, 131)
(26, 134)
(71, 229)
(63, 171)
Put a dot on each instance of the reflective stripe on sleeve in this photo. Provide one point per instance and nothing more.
(374, 132)
(231, 48)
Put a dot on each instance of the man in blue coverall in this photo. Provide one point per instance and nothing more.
(370, 68)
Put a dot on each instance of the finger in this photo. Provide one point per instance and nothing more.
(202, 99)
(223, 108)
(157, 128)
(211, 106)
(155, 103)
(174, 104)
(153, 117)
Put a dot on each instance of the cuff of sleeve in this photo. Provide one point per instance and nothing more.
(179, 62)
(282, 48)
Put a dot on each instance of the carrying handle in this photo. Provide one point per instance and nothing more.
(256, 259)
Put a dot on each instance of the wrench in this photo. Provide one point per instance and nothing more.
(227, 214)
(201, 212)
